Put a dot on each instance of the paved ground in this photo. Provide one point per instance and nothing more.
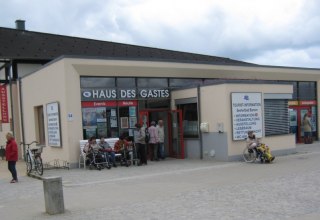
(176, 189)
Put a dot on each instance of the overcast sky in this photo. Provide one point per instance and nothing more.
(268, 32)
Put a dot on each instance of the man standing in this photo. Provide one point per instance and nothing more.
(160, 129)
(140, 144)
(153, 142)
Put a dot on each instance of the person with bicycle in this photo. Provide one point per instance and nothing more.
(12, 156)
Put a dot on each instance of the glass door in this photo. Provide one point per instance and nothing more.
(144, 118)
(176, 142)
(174, 126)
(293, 119)
(296, 121)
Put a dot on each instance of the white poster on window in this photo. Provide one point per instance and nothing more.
(53, 123)
(246, 114)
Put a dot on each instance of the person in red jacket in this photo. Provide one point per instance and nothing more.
(12, 156)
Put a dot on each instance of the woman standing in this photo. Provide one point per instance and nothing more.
(12, 156)
(307, 129)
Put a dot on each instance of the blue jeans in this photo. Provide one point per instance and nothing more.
(12, 169)
(113, 157)
(161, 150)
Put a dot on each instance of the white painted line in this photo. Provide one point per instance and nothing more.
(154, 174)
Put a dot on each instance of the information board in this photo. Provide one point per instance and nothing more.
(246, 114)
(53, 122)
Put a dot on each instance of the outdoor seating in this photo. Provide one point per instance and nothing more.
(82, 157)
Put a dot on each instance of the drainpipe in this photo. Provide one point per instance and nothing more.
(11, 99)
(199, 122)
(21, 116)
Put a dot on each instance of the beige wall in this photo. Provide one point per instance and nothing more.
(214, 101)
(100, 67)
(182, 94)
(60, 83)
(282, 141)
(216, 108)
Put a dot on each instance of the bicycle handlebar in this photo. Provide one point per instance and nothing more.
(29, 143)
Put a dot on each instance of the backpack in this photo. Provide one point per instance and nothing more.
(147, 137)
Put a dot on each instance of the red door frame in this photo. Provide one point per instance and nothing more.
(145, 112)
(299, 122)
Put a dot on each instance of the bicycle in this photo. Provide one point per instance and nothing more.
(33, 159)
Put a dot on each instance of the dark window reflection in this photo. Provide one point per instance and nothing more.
(126, 82)
(98, 82)
(295, 91)
(184, 82)
(190, 120)
(307, 90)
(152, 82)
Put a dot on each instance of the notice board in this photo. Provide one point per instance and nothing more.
(53, 124)
(246, 114)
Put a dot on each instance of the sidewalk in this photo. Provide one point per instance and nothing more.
(80, 176)
(176, 189)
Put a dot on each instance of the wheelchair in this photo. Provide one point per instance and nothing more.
(250, 155)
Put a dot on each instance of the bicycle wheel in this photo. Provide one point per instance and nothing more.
(249, 155)
(28, 163)
(38, 165)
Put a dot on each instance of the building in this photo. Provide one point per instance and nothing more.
(93, 88)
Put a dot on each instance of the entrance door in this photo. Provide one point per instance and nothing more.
(296, 121)
(174, 143)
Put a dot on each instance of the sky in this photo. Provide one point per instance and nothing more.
(266, 32)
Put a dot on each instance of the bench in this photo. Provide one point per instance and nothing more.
(82, 157)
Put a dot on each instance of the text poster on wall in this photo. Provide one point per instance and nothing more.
(4, 104)
(246, 114)
(53, 122)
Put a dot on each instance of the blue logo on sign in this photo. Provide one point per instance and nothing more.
(87, 94)
(246, 97)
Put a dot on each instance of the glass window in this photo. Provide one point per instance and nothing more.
(40, 125)
(185, 82)
(97, 82)
(124, 121)
(152, 82)
(126, 82)
(190, 120)
(295, 91)
(307, 90)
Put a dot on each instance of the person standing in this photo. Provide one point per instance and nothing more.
(153, 142)
(160, 129)
(140, 143)
(307, 128)
(12, 156)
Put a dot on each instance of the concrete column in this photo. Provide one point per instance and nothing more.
(53, 195)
